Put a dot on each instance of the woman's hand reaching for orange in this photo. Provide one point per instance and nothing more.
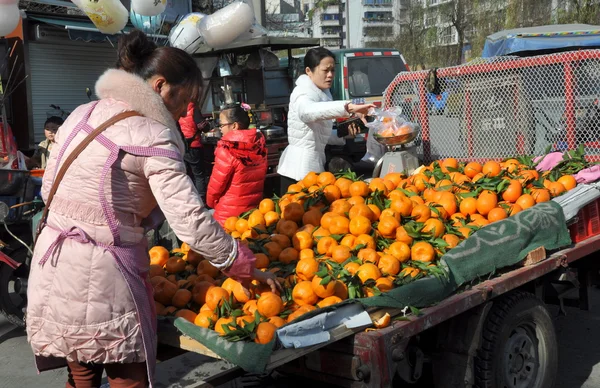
(360, 108)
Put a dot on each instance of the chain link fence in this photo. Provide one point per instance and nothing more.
(495, 108)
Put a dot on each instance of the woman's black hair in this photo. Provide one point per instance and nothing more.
(236, 114)
(139, 55)
(314, 56)
(54, 120)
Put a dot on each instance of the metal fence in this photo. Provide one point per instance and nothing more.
(505, 106)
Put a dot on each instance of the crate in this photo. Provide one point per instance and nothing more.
(588, 222)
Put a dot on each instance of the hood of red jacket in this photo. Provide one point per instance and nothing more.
(247, 145)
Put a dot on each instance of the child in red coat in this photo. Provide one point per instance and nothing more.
(238, 176)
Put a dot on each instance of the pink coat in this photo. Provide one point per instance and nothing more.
(79, 305)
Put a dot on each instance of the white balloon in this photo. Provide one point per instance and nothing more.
(224, 26)
(185, 35)
(109, 16)
(148, 7)
(9, 17)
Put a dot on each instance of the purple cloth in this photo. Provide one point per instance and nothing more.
(243, 265)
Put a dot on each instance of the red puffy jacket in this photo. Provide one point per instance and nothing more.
(189, 127)
(238, 176)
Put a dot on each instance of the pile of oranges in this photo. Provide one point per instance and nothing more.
(332, 238)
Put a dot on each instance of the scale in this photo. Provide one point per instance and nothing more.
(399, 157)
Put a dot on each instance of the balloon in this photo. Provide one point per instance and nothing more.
(148, 7)
(185, 35)
(224, 26)
(109, 16)
(9, 16)
(148, 24)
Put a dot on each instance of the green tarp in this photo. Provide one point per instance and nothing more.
(502, 244)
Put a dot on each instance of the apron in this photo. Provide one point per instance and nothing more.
(132, 260)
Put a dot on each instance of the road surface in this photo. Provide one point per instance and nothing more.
(578, 338)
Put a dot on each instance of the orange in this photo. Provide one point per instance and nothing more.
(390, 213)
(422, 251)
(344, 185)
(368, 271)
(288, 255)
(525, 201)
(228, 322)
(308, 228)
(282, 240)
(329, 301)
(556, 189)
(269, 304)
(266, 205)
(240, 293)
(307, 268)
(491, 168)
(472, 169)
(306, 254)
(514, 209)
(181, 298)
(230, 224)
(420, 182)
(449, 163)
(287, 227)
(256, 219)
(360, 225)
(378, 184)
(300, 312)
(389, 265)
(349, 240)
(448, 202)
(486, 201)
(341, 290)
(402, 206)
(513, 191)
(206, 268)
(302, 240)
(156, 270)
(229, 284)
(444, 185)
(164, 290)
(396, 194)
(326, 219)
(193, 258)
(511, 165)
(421, 213)
(457, 218)
(158, 255)
(205, 319)
(540, 195)
(356, 200)
(464, 231)
(435, 227)
(383, 322)
(368, 255)
(244, 320)
(395, 177)
(273, 249)
(326, 178)
(568, 181)
(294, 188)
(277, 321)
(293, 212)
(384, 284)
(402, 235)
(451, 239)
(188, 315)
(376, 211)
(320, 232)
(332, 193)
(312, 217)
(339, 225)
(250, 307)
(215, 297)
(262, 260)
(387, 226)
(529, 175)
(477, 177)
(323, 290)
(361, 210)
(400, 251)
(250, 233)
(326, 245)
(241, 225)
(367, 240)
(200, 290)
(271, 218)
(303, 293)
(310, 179)
(497, 214)
(352, 267)
(265, 332)
(359, 188)
(340, 253)
(172, 279)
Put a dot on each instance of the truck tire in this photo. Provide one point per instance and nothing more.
(518, 346)
(11, 305)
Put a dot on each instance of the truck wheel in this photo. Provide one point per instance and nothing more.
(518, 346)
(11, 302)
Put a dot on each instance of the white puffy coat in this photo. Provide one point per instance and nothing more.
(309, 129)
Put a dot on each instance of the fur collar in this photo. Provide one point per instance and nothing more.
(133, 90)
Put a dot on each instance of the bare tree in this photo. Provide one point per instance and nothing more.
(578, 11)
(411, 39)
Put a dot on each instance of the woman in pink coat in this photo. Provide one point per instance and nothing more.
(89, 302)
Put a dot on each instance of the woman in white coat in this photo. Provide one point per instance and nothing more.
(310, 118)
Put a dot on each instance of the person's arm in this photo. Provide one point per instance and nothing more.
(187, 215)
(310, 111)
(220, 178)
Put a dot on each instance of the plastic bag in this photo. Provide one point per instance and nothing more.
(390, 123)
(227, 24)
(186, 35)
(375, 150)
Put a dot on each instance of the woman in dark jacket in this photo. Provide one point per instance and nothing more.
(237, 180)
